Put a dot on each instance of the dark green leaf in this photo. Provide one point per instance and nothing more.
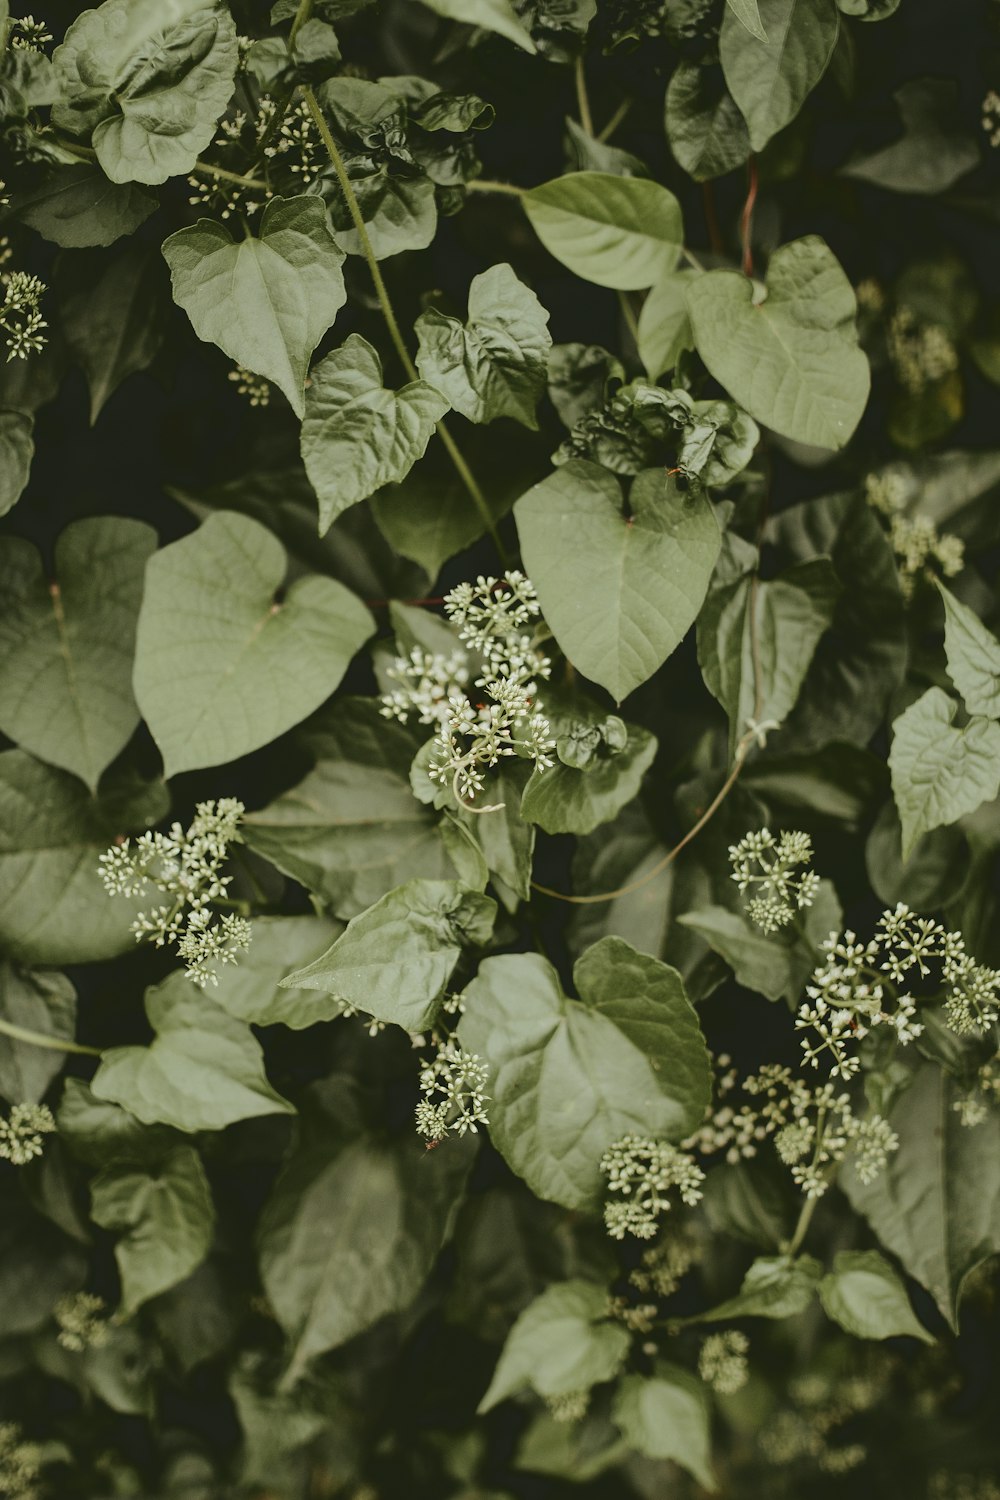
(560, 1344)
(940, 772)
(773, 70)
(43, 1002)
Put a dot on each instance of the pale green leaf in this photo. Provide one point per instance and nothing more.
(357, 435)
(618, 590)
(940, 773)
(165, 1220)
(266, 300)
(569, 1077)
(562, 1342)
(203, 1070)
(624, 232)
(749, 15)
(600, 763)
(43, 1002)
(664, 325)
(665, 1415)
(16, 452)
(772, 71)
(251, 989)
(66, 643)
(222, 665)
(399, 213)
(493, 365)
(792, 361)
(493, 15)
(865, 1296)
(973, 654)
(774, 1287)
(394, 960)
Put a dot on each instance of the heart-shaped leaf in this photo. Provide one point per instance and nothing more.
(623, 232)
(619, 589)
(772, 71)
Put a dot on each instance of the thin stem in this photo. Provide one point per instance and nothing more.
(381, 292)
(50, 1043)
(629, 315)
(809, 1206)
(582, 101)
(615, 121)
(746, 218)
(485, 185)
(206, 169)
(692, 259)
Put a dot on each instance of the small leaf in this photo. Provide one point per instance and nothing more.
(394, 960)
(665, 1416)
(166, 1221)
(939, 773)
(793, 361)
(202, 1071)
(618, 591)
(493, 15)
(865, 1296)
(776, 966)
(251, 989)
(494, 365)
(973, 654)
(66, 644)
(357, 435)
(44, 1002)
(624, 232)
(664, 325)
(17, 449)
(268, 300)
(599, 767)
(707, 133)
(562, 1342)
(221, 666)
(773, 71)
(774, 1287)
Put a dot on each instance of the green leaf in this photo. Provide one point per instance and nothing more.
(599, 768)
(166, 1222)
(707, 134)
(357, 435)
(66, 643)
(345, 1239)
(251, 990)
(618, 590)
(666, 1416)
(17, 449)
(352, 830)
(493, 15)
(150, 80)
(939, 773)
(268, 300)
(973, 654)
(865, 1296)
(99, 1133)
(936, 1204)
(790, 615)
(394, 959)
(53, 905)
(562, 1342)
(748, 14)
(494, 365)
(792, 361)
(568, 1077)
(505, 837)
(75, 206)
(113, 318)
(44, 1002)
(664, 325)
(623, 232)
(203, 1070)
(935, 149)
(774, 1287)
(399, 213)
(773, 71)
(222, 666)
(430, 518)
(776, 966)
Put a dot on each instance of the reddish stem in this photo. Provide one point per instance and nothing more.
(746, 218)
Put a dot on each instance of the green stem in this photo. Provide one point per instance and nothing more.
(381, 292)
(203, 168)
(301, 17)
(629, 315)
(50, 1043)
(484, 185)
(582, 100)
(802, 1227)
(692, 259)
(615, 121)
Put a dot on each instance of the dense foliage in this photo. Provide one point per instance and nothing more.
(499, 816)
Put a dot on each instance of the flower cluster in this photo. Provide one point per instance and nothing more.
(82, 1324)
(569, 1407)
(21, 322)
(186, 866)
(20, 1464)
(822, 1406)
(21, 1133)
(454, 1100)
(253, 387)
(915, 540)
(768, 866)
(991, 117)
(642, 1172)
(491, 617)
(973, 1106)
(662, 1267)
(296, 143)
(921, 353)
(27, 34)
(722, 1361)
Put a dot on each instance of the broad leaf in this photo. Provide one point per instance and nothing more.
(430, 518)
(776, 966)
(66, 643)
(222, 665)
(346, 1238)
(266, 300)
(748, 14)
(624, 232)
(493, 15)
(76, 206)
(113, 317)
(16, 452)
(865, 1296)
(150, 80)
(792, 360)
(357, 435)
(251, 990)
(773, 70)
(203, 1070)
(936, 1204)
(774, 1287)
(165, 1219)
(54, 908)
(568, 1077)
(394, 960)
(618, 589)
(973, 654)
(936, 147)
(562, 1342)
(666, 1416)
(939, 772)
(493, 365)
(600, 763)
(43, 1002)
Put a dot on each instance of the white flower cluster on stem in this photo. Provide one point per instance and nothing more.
(453, 1087)
(767, 866)
(21, 1134)
(641, 1174)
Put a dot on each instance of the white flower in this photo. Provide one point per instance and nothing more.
(642, 1172)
